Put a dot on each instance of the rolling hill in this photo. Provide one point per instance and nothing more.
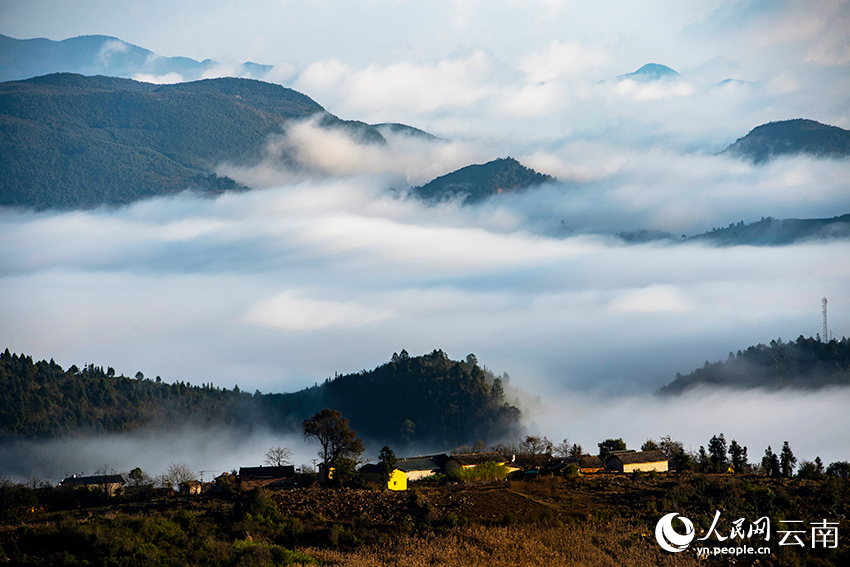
(791, 137)
(71, 141)
(806, 363)
(474, 183)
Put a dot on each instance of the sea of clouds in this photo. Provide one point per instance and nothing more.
(331, 266)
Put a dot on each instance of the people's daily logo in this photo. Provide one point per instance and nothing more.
(671, 540)
(820, 534)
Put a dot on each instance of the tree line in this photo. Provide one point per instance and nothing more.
(804, 363)
(428, 399)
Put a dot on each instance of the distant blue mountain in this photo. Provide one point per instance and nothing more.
(650, 72)
(99, 55)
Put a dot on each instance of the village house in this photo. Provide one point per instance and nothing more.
(265, 473)
(589, 464)
(110, 483)
(374, 473)
(634, 461)
(190, 488)
(417, 468)
(586, 464)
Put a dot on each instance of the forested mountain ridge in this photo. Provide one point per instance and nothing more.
(765, 232)
(41, 399)
(71, 141)
(428, 399)
(474, 183)
(791, 137)
(777, 232)
(806, 363)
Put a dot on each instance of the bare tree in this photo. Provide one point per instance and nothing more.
(177, 474)
(278, 456)
(535, 451)
(562, 449)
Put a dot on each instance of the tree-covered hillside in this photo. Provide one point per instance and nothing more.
(477, 182)
(426, 399)
(790, 137)
(777, 232)
(41, 399)
(806, 363)
(74, 141)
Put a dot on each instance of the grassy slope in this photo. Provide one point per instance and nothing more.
(594, 520)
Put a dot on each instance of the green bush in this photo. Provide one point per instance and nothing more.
(484, 471)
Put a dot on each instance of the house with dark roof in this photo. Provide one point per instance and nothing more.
(374, 473)
(633, 461)
(589, 464)
(265, 473)
(417, 468)
(109, 483)
(191, 488)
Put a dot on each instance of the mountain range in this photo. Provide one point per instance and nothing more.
(75, 141)
(102, 55)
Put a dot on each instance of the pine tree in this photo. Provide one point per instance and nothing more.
(787, 460)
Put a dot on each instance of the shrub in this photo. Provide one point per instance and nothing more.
(484, 471)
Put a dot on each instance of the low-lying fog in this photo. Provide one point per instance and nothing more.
(278, 288)
(325, 271)
(812, 422)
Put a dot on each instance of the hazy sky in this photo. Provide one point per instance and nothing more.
(525, 71)
(310, 275)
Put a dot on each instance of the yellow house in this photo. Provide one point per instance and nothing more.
(644, 461)
(372, 473)
(398, 480)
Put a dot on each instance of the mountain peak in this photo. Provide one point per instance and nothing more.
(651, 72)
(480, 181)
(791, 137)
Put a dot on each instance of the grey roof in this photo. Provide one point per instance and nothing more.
(417, 464)
(478, 458)
(93, 480)
(267, 472)
(591, 462)
(640, 457)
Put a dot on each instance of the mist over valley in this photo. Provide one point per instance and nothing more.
(589, 209)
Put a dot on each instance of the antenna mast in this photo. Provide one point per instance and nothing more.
(825, 337)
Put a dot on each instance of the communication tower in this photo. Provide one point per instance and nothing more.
(824, 336)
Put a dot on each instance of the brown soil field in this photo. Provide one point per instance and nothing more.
(606, 519)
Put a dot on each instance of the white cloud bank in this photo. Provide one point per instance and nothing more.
(323, 271)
